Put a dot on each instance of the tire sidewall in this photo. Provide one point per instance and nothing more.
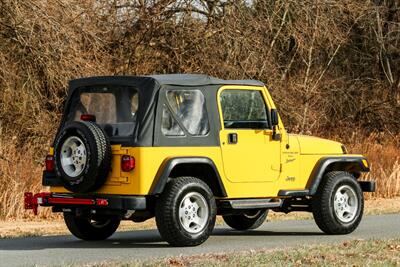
(323, 203)
(208, 196)
(349, 181)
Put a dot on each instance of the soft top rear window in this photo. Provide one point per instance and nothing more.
(115, 108)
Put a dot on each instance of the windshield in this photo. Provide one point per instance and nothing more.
(115, 108)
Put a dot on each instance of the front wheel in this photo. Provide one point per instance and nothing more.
(186, 212)
(338, 204)
(91, 229)
(246, 221)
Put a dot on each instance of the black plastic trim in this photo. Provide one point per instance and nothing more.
(350, 164)
(367, 186)
(50, 179)
(166, 168)
(293, 193)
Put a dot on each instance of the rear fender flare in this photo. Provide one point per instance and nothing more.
(163, 174)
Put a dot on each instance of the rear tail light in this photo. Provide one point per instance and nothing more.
(88, 117)
(127, 163)
(50, 163)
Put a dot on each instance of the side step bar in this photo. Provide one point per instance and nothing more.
(258, 203)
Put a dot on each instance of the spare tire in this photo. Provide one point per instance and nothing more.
(82, 155)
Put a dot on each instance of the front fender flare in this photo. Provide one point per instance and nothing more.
(326, 164)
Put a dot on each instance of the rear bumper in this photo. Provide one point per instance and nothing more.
(60, 201)
(367, 186)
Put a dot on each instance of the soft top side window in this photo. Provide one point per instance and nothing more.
(244, 109)
(169, 125)
(189, 108)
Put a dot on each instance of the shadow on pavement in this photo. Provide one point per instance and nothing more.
(132, 239)
(261, 233)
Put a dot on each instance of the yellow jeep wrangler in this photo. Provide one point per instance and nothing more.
(184, 149)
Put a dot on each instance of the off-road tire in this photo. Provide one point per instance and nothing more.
(83, 228)
(167, 212)
(98, 161)
(105, 150)
(246, 221)
(323, 203)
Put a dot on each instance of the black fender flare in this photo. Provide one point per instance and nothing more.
(353, 165)
(163, 173)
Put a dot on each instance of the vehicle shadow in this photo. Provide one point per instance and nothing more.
(261, 233)
(130, 239)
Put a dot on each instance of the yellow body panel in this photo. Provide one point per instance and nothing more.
(255, 167)
(254, 159)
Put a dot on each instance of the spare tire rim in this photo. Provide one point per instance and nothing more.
(345, 204)
(73, 156)
(193, 212)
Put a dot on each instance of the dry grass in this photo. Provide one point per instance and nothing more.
(56, 226)
(349, 253)
(19, 173)
(384, 157)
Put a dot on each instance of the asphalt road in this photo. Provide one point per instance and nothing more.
(146, 244)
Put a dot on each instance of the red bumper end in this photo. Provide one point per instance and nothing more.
(32, 202)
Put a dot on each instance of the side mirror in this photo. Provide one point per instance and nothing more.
(274, 122)
(274, 117)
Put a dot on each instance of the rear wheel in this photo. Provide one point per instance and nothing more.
(338, 204)
(90, 229)
(246, 221)
(186, 212)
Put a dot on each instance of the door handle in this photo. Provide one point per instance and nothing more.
(232, 138)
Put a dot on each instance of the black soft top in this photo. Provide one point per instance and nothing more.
(149, 87)
(153, 82)
(199, 80)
